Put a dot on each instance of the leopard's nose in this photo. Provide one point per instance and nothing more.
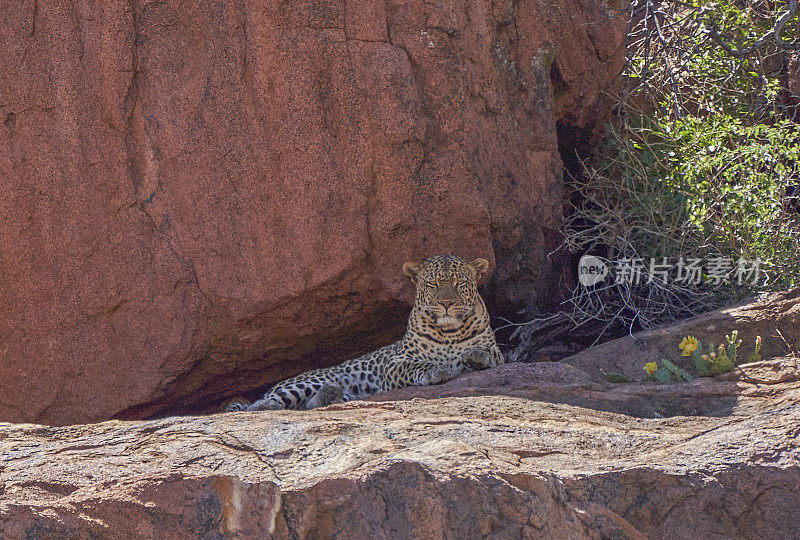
(446, 303)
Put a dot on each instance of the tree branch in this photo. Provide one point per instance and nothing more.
(774, 33)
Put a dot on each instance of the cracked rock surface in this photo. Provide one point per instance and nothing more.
(514, 457)
(200, 198)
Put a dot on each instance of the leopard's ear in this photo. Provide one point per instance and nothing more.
(412, 270)
(480, 266)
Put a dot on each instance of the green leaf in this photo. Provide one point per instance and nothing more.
(703, 367)
(680, 374)
(722, 365)
(663, 375)
(616, 377)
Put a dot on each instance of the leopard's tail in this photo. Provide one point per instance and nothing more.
(236, 404)
(268, 403)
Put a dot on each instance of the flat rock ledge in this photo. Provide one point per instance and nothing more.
(524, 450)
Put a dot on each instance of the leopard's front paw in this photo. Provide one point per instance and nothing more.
(477, 359)
(434, 375)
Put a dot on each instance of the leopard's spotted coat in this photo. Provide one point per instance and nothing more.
(448, 334)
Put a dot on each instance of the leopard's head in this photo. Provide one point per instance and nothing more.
(447, 289)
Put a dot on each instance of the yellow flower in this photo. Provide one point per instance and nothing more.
(689, 345)
(758, 341)
(651, 368)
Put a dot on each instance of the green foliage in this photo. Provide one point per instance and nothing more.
(704, 187)
(723, 359)
(733, 346)
(701, 362)
(702, 162)
(714, 362)
(721, 363)
(680, 375)
(651, 368)
(667, 373)
(755, 356)
(687, 59)
(727, 184)
(616, 377)
(663, 375)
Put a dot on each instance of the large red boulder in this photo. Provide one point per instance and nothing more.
(199, 198)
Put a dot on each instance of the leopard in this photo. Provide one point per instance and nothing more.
(448, 334)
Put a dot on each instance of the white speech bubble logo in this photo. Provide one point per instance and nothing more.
(591, 270)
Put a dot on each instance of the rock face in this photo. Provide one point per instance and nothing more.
(200, 198)
(512, 460)
(775, 317)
